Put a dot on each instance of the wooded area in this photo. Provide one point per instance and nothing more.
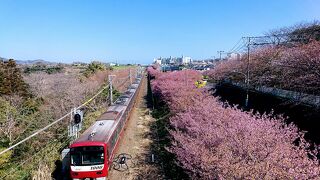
(30, 101)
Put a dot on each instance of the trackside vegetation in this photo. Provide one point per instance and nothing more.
(31, 100)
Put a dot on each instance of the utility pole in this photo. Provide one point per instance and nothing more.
(248, 72)
(130, 77)
(110, 88)
(220, 52)
(252, 41)
(213, 58)
(259, 41)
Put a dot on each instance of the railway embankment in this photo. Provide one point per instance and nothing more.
(298, 108)
(287, 95)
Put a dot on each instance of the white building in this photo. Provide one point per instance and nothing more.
(157, 61)
(186, 60)
(234, 56)
(172, 60)
(112, 64)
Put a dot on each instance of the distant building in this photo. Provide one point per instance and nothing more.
(157, 60)
(172, 60)
(112, 64)
(234, 56)
(186, 60)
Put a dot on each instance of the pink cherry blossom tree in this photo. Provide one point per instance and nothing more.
(213, 140)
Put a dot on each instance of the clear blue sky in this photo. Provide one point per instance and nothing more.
(138, 30)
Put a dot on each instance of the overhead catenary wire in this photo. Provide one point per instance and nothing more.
(236, 45)
(239, 46)
(276, 39)
(125, 79)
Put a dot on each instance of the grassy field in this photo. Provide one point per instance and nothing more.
(122, 67)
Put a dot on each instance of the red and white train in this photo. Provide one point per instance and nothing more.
(92, 153)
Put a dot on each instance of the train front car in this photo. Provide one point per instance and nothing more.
(89, 153)
(88, 160)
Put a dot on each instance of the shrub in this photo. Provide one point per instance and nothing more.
(94, 67)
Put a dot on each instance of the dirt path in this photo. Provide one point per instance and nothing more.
(137, 141)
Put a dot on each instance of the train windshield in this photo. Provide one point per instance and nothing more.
(87, 155)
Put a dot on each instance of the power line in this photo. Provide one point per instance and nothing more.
(51, 124)
(231, 50)
(273, 39)
(239, 46)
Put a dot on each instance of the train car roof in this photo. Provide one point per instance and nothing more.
(132, 90)
(98, 132)
(137, 81)
(109, 115)
(122, 100)
(116, 107)
(127, 93)
(134, 86)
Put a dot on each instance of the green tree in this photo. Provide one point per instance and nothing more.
(11, 80)
(8, 122)
(94, 67)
